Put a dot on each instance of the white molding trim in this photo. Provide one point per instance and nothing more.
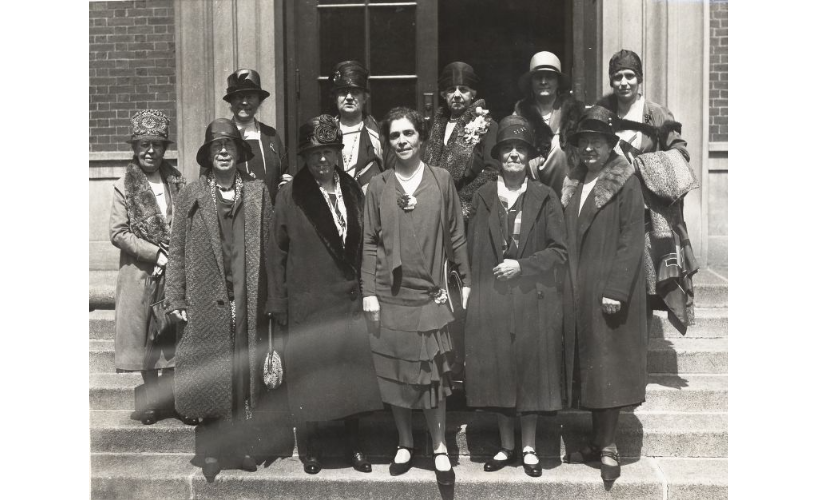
(718, 147)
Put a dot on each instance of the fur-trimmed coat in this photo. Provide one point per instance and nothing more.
(196, 282)
(470, 166)
(555, 156)
(676, 294)
(513, 330)
(138, 229)
(327, 360)
(605, 254)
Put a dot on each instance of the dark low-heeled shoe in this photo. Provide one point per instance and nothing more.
(610, 472)
(311, 465)
(210, 469)
(396, 469)
(532, 470)
(589, 453)
(360, 462)
(149, 417)
(444, 477)
(186, 420)
(248, 464)
(493, 464)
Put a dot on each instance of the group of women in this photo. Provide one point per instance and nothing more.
(351, 260)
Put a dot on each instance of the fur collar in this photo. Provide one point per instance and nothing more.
(456, 156)
(569, 111)
(655, 122)
(307, 196)
(614, 175)
(144, 216)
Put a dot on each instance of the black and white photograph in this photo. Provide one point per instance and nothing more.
(431, 249)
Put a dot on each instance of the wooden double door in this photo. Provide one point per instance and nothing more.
(404, 45)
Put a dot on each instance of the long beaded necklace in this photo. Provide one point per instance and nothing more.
(347, 158)
(239, 187)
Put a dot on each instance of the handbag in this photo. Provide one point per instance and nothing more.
(273, 365)
(161, 332)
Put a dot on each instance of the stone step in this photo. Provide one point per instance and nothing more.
(688, 355)
(710, 322)
(101, 288)
(143, 476)
(114, 391)
(666, 434)
(710, 289)
(669, 356)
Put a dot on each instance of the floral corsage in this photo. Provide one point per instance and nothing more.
(476, 128)
(439, 295)
(406, 202)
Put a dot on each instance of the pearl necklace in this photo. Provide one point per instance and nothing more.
(407, 179)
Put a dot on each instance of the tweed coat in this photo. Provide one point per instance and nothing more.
(605, 254)
(327, 358)
(196, 282)
(519, 366)
(134, 208)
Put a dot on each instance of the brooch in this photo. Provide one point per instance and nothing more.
(439, 295)
(406, 202)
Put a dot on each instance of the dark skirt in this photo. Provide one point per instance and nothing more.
(413, 366)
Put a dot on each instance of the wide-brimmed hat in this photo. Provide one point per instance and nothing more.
(513, 128)
(543, 61)
(349, 75)
(244, 80)
(222, 128)
(455, 74)
(149, 125)
(595, 120)
(626, 59)
(319, 132)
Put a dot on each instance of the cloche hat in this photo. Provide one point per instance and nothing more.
(513, 128)
(626, 59)
(595, 120)
(350, 75)
(319, 132)
(544, 61)
(244, 80)
(222, 128)
(457, 73)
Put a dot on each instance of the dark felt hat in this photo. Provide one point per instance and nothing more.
(626, 59)
(457, 73)
(595, 120)
(222, 128)
(349, 75)
(244, 80)
(513, 128)
(319, 132)
(149, 125)
(544, 61)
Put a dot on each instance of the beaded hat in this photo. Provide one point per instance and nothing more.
(595, 120)
(513, 128)
(319, 132)
(222, 128)
(244, 80)
(349, 75)
(149, 125)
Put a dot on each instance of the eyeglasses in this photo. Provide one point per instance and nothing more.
(154, 145)
(595, 142)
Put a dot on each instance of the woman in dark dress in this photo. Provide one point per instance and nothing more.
(413, 230)
(513, 332)
(316, 254)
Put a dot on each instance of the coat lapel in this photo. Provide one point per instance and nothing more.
(490, 197)
(614, 175)
(307, 196)
(530, 207)
(207, 211)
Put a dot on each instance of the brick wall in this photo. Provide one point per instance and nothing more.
(718, 99)
(132, 61)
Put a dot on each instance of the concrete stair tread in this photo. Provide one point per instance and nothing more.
(656, 382)
(173, 476)
(686, 344)
(655, 421)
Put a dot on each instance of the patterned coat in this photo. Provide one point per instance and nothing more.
(196, 282)
(470, 165)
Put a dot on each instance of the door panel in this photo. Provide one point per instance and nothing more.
(396, 41)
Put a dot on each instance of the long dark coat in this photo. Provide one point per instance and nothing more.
(328, 366)
(522, 369)
(196, 282)
(605, 245)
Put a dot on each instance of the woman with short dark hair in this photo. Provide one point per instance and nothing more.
(413, 231)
